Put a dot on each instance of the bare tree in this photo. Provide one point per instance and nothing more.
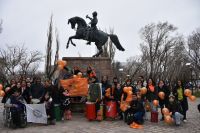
(49, 68)
(194, 48)
(29, 62)
(194, 54)
(18, 60)
(156, 44)
(109, 49)
(134, 66)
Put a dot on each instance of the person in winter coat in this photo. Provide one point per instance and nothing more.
(175, 110)
(178, 92)
(163, 102)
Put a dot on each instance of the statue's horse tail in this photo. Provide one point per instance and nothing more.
(115, 40)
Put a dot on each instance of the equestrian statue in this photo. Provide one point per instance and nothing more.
(91, 33)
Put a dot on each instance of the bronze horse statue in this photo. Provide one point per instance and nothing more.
(84, 32)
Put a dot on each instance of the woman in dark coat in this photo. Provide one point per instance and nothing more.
(178, 92)
(163, 102)
(151, 94)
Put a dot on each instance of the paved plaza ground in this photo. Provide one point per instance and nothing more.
(80, 125)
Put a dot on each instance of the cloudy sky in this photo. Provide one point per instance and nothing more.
(26, 21)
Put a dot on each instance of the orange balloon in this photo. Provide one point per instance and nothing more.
(124, 106)
(74, 76)
(192, 98)
(125, 89)
(129, 97)
(161, 95)
(188, 92)
(129, 89)
(165, 111)
(1, 86)
(129, 92)
(143, 90)
(168, 119)
(61, 62)
(2, 93)
(60, 67)
(155, 102)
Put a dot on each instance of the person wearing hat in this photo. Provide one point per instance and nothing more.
(16, 105)
(175, 110)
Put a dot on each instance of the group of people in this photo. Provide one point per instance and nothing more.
(137, 103)
(25, 91)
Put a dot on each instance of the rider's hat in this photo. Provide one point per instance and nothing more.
(94, 13)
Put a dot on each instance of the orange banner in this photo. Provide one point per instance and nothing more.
(75, 86)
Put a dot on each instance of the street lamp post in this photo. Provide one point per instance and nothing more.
(190, 66)
(121, 71)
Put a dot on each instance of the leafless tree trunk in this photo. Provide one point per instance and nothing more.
(109, 49)
(49, 68)
(156, 43)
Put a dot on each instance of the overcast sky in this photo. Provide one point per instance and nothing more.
(26, 21)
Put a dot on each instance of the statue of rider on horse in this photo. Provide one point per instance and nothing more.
(91, 34)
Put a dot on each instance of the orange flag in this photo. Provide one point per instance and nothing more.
(75, 86)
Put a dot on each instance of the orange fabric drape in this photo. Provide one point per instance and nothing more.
(75, 86)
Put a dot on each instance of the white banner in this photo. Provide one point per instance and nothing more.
(36, 113)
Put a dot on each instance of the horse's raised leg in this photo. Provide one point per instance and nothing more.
(70, 39)
(73, 43)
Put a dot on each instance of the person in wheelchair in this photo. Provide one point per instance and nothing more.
(17, 108)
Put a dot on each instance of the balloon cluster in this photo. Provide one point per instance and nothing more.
(2, 93)
(128, 91)
(188, 93)
(167, 115)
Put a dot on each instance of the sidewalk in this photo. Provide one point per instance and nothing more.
(80, 125)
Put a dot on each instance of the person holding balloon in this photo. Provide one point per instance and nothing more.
(178, 92)
(163, 96)
(151, 95)
(127, 92)
(136, 110)
(175, 110)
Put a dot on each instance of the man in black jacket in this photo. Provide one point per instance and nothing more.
(136, 111)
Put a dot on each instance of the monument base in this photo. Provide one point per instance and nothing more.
(101, 65)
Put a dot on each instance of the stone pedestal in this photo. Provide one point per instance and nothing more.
(102, 65)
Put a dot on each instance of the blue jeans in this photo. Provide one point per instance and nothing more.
(139, 116)
(177, 118)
